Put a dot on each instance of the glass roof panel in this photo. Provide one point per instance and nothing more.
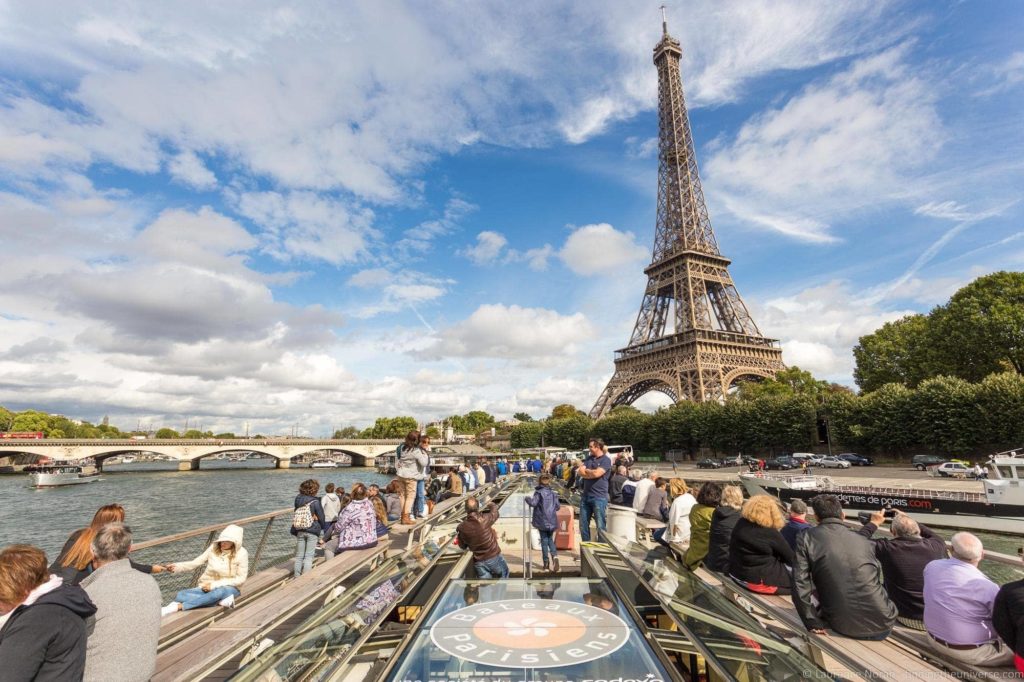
(734, 638)
(561, 629)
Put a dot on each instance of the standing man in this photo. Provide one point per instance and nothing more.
(476, 534)
(123, 638)
(594, 471)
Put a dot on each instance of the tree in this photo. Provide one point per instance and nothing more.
(391, 427)
(981, 329)
(193, 434)
(226, 434)
(527, 434)
(522, 416)
(564, 411)
(471, 422)
(6, 419)
(347, 432)
(899, 352)
(433, 432)
(167, 433)
(787, 382)
(569, 432)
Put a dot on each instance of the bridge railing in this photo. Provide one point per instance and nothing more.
(265, 537)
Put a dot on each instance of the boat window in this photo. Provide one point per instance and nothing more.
(1007, 471)
(736, 641)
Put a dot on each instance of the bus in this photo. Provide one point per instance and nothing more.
(23, 435)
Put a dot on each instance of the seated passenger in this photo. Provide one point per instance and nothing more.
(629, 488)
(677, 530)
(618, 479)
(958, 604)
(74, 562)
(903, 559)
(656, 504)
(382, 516)
(839, 566)
(393, 500)
(227, 567)
(124, 635)
(356, 527)
(796, 523)
(708, 498)
(1008, 617)
(723, 521)
(759, 558)
(454, 484)
(42, 620)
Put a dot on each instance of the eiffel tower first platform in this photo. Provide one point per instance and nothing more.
(694, 337)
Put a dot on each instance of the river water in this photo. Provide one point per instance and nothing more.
(158, 501)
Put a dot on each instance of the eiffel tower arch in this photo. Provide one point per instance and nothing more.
(694, 337)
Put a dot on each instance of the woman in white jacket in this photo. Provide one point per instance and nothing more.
(227, 567)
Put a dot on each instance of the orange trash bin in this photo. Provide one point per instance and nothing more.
(565, 534)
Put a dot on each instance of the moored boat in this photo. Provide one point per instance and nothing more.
(997, 506)
(324, 464)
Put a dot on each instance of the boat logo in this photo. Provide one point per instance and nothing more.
(546, 633)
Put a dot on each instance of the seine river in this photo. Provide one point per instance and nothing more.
(158, 501)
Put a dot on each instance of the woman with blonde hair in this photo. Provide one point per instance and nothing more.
(74, 562)
(760, 559)
(678, 529)
(723, 521)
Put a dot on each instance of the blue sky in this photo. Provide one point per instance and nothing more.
(314, 215)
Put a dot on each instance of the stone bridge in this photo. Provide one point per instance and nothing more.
(189, 452)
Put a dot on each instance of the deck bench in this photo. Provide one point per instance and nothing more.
(196, 655)
(645, 527)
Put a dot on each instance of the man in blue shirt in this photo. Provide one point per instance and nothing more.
(594, 471)
(502, 467)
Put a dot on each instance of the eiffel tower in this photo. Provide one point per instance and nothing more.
(694, 337)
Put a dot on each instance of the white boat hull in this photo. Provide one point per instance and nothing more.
(58, 480)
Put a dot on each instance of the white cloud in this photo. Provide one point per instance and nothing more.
(399, 288)
(1005, 75)
(594, 250)
(308, 226)
(511, 332)
(487, 249)
(189, 169)
(854, 141)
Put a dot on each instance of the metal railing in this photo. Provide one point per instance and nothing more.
(266, 538)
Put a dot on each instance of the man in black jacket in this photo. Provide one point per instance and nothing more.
(1008, 617)
(903, 559)
(839, 565)
(615, 485)
(43, 632)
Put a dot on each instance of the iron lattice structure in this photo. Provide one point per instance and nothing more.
(712, 342)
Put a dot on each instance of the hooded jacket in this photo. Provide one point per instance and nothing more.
(44, 641)
(722, 523)
(222, 570)
(840, 566)
(477, 535)
(545, 508)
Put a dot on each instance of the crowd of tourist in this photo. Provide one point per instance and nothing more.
(95, 614)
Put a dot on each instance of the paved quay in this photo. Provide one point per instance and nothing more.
(875, 476)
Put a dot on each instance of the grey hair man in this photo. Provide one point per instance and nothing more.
(903, 558)
(124, 634)
(618, 480)
(643, 489)
(958, 603)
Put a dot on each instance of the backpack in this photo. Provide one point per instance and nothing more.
(302, 517)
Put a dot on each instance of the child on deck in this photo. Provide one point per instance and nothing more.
(545, 519)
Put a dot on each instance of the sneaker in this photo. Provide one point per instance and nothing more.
(173, 607)
(228, 601)
(554, 564)
(547, 566)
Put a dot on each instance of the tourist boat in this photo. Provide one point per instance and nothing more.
(998, 506)
(324, 464)
(59, 474)
(127, 459)
(440, 460)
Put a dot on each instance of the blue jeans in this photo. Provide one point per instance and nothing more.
(547, 544)
(305, 548)
(659, 536)
(492, 568)
(195, 598)
(420, 506)
(592, 507)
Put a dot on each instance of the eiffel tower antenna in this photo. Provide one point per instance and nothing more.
(694, 337)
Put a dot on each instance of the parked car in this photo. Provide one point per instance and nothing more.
(834, 463)
(708, 463)
(922, 462)
(809, 457)
(782, 463)
(855, 460)
(730, 461)
(954, 469)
